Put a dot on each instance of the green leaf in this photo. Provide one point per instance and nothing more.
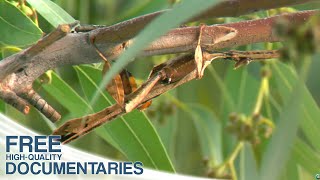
(155, 29)
(222, 87)
(2, 107)
(240, 96)
(133, 133)
(209, 131)
(311, 113)
(9, 50)
(279, 148)
(291, 172)
(248, 166)
(87, 84)
(282, 141)
(15, 24)
(67, 97)
(53, 13)
(143, 7)
(243, 89)
(167, 130)
(307, 157)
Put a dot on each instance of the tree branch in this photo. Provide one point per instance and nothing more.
(75, 48)
(18, 72)
(227, 8)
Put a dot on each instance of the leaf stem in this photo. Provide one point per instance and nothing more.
(263, 91)
(230, 161)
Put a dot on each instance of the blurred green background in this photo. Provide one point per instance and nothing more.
(206, 126)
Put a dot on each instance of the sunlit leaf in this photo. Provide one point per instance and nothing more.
(9, 50)
(53, 13)
(13, 23)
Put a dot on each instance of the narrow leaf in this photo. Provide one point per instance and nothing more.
(248, 166)
(53, 13)
(311, 113)
(281, 143)
(66, 96)
(209, 131)
(307, 157)
(16, 24)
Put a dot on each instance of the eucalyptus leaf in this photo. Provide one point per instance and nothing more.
(53, 13)
(167, 130)
(286, 78)
(243, 89)
(67, 97)
(239, 96)
(306, 157)
(282, 141)
(143, 7)
(9, 50)
(16, 24)
(291, 171)
(209, 131)
(248, 167)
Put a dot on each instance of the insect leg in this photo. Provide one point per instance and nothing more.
(137, 98)
(168, 72)
(115, 87)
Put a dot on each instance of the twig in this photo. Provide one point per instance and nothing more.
(19, 97)
(245, 57)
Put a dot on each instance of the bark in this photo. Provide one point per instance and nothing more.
(18, 72)
(75, 48)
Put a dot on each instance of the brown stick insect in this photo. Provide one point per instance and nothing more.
(162, 78)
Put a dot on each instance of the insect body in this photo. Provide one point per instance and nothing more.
(124, 89)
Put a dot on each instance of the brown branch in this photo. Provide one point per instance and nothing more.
(69, 50)
(248, 32)
(227, 8)
(76, 49)
(18, 72)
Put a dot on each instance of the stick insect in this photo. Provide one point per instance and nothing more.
(162, 78)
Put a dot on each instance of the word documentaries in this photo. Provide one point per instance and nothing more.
(43, 155)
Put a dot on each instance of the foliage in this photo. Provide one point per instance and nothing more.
(256, 122)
